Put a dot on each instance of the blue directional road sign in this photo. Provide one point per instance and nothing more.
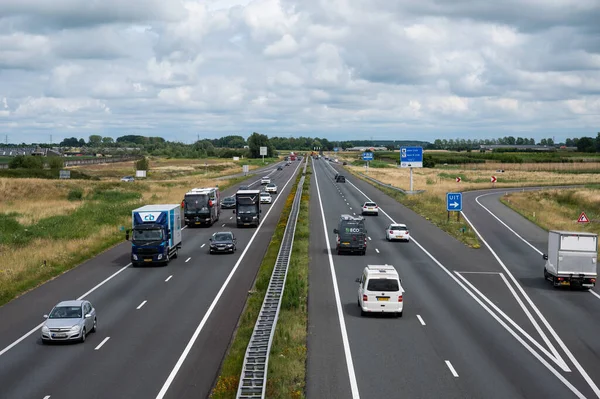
(454, 202)
(335, 149)
(411, 157)
(367, 156)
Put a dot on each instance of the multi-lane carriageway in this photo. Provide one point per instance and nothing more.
(477, 323)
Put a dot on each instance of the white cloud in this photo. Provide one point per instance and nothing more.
(336, 68)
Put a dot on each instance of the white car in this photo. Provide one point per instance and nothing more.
(265, 180)
(397, 232)
(370, 208)
(265, 198)
(271, 188)
(380, 290)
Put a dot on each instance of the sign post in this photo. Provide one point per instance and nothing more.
(367, 156)
(493, 180)
(411, 157)
(245, 169)
(263, 152)
(454, 204)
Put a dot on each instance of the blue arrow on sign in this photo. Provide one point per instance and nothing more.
(454, 202)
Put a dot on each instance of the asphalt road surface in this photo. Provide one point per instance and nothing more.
(468, 330)
(162, 331)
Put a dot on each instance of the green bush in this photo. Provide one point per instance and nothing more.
(75, 194)
(56, 163)
(143, 164)
(26, 162)
(42, 174)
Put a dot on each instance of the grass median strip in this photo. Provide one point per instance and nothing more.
(287, 361)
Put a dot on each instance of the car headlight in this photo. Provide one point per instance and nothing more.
(134, 257)
(75, 328)
(239, 217)
(159, 257)
(45, 329)
(254, 217)
(229, 245)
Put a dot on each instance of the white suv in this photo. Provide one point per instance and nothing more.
(265, 180)
(380, 290)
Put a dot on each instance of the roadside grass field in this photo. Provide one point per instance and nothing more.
(436, 182)
(49, 226)
(558, 209)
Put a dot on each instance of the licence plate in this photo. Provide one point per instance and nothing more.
(383, 299)
(345, 243)
(59, 335)
(565, 283)
(246, 224)
(198, 222)
(147, 260)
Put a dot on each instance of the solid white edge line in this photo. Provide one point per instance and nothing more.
(595, 294)
(101, 343)
(187, 260)
(36, 328)
(188, 348)
(560, 342)
(168, 278)
(500, 321)
(545, 351)
(345, 341)
(141, 304)
(47, 397)
(454, 373)
(421, 320)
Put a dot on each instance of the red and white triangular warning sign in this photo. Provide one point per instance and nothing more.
(583, 218)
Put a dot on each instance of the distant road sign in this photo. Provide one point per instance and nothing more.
(493, 179)
(64, 174)
(458, 179)
(583, 218)
(411, 157)
(454, 202)
(336, 149)
(263, 151)
(367, 156)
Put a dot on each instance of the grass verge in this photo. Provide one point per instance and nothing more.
(558, 209)
(287, 361)
(433, 208)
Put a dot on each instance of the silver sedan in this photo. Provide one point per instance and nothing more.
(69, 321)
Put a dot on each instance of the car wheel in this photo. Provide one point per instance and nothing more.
(95, 327)
(399, 314)
(176, 253)
(83, 335)
(362, 312)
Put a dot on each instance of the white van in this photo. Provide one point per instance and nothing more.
(380, 290)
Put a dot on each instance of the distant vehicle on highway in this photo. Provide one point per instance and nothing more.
(280, 167)
(340, 179)
(271, 188)
(351, 235)
(202, 206)
(247, 208)
(344, 163)
(265, 198)
(370, 208)
(69, 321)
(265, 180)
(228, 203)
(397, 232)
(244, 188)
(571, 259)
(128, 179)
(222, 241)
(380, 290)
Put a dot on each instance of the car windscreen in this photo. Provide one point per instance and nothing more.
(222, 237)
(383, 285)
(370, 204)
(65, 312)
(196, 201)
(147, 235)
(245, 209)
(398, 228)
(229, 200)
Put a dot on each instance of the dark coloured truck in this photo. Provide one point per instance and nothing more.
(155, 234)
(247, 208)
(202, 206)
(351, 235)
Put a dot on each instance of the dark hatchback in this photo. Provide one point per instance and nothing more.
(223, 242)
(228, 203)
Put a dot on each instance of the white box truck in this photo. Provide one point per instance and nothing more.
(571, 258)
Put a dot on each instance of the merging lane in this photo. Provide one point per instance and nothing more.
(451, 341)
(146, 317)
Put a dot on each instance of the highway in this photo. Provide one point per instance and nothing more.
(162, 331)
(467, 331)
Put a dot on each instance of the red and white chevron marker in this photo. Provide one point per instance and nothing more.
(493, 179)
(458, 179)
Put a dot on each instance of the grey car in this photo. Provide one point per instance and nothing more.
(223, 241)
(69, 321)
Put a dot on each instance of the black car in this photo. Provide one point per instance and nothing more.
(340, 179)
(223, 241)
(244, 187)
(228, 203)
(280, 168)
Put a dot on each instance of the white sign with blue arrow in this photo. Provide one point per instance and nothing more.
(454, 202)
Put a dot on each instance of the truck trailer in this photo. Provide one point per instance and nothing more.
(571, 259)
(201, 206)
(155, 234)
(247, 208)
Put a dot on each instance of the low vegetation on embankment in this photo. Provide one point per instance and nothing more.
(431, 204)
(287, 360)
(558, 209)
(49, 226)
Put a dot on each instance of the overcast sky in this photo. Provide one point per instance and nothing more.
(341, 69)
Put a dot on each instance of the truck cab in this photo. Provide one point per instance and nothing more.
(202, 206)
(155, 234)
(247, 208)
